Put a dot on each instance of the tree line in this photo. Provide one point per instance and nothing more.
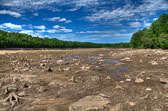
(18, 40)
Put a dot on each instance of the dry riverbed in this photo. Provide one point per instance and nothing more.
(84, 80)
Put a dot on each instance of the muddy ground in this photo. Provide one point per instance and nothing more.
(84, 80)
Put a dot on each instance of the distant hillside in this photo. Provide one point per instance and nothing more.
(154, 37)
(18, 40)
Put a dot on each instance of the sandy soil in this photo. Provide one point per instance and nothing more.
(57, 80)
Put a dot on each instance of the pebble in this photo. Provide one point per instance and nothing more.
(148, 78)
(164, 80)
(148, 89)
(128, 80)
(126, 59)
(139, 80)
(121, 81)
(153, 63)
(108, 77)
(132, 104)
(42, 89)
(163, 58)
(66, 69)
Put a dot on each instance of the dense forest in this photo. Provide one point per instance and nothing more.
(18, 40)
(154, 37)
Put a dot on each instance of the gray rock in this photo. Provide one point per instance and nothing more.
(164, 80)
(42, 89)
(98, 102)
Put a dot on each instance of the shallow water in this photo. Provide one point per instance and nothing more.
(110, 62)
(66, 58)
(78, 57)
(119, 70)
(93, 60)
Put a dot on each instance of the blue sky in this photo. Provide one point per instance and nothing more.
(99, 21)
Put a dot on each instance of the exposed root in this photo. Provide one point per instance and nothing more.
(13, 99)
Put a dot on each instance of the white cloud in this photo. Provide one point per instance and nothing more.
(127, 12)
(12, 26)
(48, 4)
(147, 24)
(40, 27)
(33, 33)
(66, 30)
(62, 20)
(124, 35)
(111, 36)
(27, 32)
(59, 19)
(36, 14)
(102, 32)
(11, 13)
(154, 19)
(135, 24)
(53, 19)
(40, 31)
(52, 31)
(2, 27)
(68, 21)
(56, 26)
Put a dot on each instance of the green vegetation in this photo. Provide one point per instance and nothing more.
(154, 37)
(17, 40)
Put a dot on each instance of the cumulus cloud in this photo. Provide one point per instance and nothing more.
(101, 32)
(52, 31)
(62, 20)
(11, 26)
(11, 13)
(2, 27)
(40, 27)
(66, 30)
(53, 19)
(56, 26)
(56, 29)
(36, 14)
(58, 19)
(27, 32)
(135, 24)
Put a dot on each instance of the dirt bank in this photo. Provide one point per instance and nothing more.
(84, 80)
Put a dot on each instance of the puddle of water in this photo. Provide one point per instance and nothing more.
(78, 57)
(66, 58)
(119, 70)
(110, 62)
(2, 71)
(52, 59)
(95, 56)
(118, 78)
(93, 60)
